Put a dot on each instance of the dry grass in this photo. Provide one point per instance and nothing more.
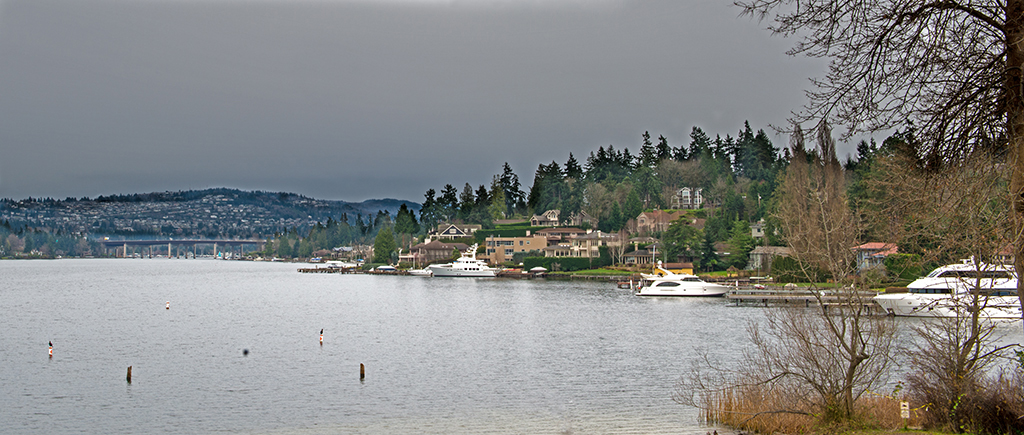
(754, 409)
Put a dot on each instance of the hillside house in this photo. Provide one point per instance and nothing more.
(455, 231)
(688, 198)
(546, 219)
(501, 249)
(656, 221)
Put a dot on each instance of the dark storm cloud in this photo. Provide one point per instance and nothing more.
(355, 100)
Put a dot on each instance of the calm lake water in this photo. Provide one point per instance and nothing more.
(441, 355)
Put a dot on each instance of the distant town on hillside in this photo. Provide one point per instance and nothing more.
(209, 213)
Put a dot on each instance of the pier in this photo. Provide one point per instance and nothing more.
(804, 296)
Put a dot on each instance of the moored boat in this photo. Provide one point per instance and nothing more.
(467, 265)
(420, 272)
(667, 283)
(949, 291)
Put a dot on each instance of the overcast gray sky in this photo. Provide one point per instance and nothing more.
(350, 100)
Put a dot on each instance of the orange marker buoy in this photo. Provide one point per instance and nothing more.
(321, 337)
(51, 349)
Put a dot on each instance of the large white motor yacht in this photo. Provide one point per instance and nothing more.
(466, 265)
(948, 290)
(667, 283)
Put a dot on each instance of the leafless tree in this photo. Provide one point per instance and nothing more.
(944, 216)
(952, 67)
(817, 360)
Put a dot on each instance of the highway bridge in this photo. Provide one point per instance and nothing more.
(140, 246)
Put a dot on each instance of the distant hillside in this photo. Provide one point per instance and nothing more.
(218, 212)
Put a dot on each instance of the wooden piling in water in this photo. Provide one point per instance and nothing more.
(362, 371)
(129, 377)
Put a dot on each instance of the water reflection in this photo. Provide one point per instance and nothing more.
(441, 355)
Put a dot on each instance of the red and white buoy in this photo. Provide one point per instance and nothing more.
(168, 305)
(51, 349)
(321, 337)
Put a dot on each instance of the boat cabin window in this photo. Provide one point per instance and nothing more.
(930, 290)
(1002, 293)
(692, 279)
(667, 284)
(974, 274)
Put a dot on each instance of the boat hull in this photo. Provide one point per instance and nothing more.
(920, 305)
(706, 290)
(446, 272)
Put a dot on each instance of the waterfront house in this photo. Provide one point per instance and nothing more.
(870, 255)
(426, 253)
(501, 249)
(638, 257)
(559, 234)
(761, 257)
(455, 231)
(558, 250)
(589, 245)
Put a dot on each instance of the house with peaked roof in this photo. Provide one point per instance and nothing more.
(688, 198)
(761, 257)
(638, 257)
(871, 255)
(455, 231)
(546, 219)
(656, 221)
(426, 253)
(580, 218)
(589, 245)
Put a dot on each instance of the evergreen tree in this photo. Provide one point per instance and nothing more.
(708, 259)
(741, 243)
(647, 187)
(548, 190)
(648, 156)
(467, 201)
(498, 204)
(384, 245)
(663, 150)
(633, 206)
(700, 145)
(448, 204)
(428, 211)
(514, 196)
(573, 169)
(615, 218)
(405, 221)
(284, 247)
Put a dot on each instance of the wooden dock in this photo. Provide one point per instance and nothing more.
(803, 297)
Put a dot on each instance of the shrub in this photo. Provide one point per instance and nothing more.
(787, 269)
(903, 266)
(565, 264)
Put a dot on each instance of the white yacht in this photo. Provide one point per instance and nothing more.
(948, 290)
(466, 265)
(667, 283)
(420, 272)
